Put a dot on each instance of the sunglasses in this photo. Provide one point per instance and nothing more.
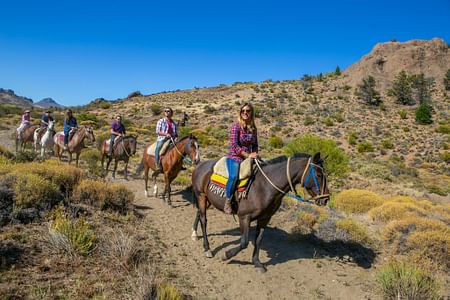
(167, 110)
(246, 110)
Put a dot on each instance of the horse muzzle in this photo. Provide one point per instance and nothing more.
(321, 200)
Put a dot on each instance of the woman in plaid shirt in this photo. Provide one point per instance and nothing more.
(166, 129)
(243, 144)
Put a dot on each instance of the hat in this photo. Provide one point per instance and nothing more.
(27, 111)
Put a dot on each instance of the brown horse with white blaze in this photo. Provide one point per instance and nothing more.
(76, 144)
(271, 182)
(187, 150)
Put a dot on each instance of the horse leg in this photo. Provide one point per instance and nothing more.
(42, 152)
(155, 186)
(194, 235)
(116, 161)
(244, 224)
(260, 227)
(203, 221)
(77, 157)
(126, 169)
(146, 169)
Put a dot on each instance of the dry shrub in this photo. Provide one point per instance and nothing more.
(33, 191)
(122, 248)
(395, 210)
(105, 196)
(6, 153)
(65, 177)
(433, 245)
(357, 231)
(68, 236)
(356, 201)
(166, 291)
(397, 229)
(399, 280)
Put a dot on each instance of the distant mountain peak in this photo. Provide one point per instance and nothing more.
(47, 103)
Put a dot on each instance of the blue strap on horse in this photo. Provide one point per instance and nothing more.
(310, 171)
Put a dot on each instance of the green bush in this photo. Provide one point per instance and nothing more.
(403, 114)
(444, 128)
(9, 109)
(276, 142)
(387, 144)
(33, 191)
(401, 281)
(363, 147)
(352, 137)
(423, 114)
(336, 163)
(69, 236)
(156, 109)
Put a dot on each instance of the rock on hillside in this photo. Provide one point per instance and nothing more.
(47, 103)
(386, 60)
(9, 97)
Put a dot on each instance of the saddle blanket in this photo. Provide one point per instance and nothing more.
(152, 148)
(219, 178)
(245, 168)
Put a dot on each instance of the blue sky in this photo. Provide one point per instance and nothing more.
(76, 51)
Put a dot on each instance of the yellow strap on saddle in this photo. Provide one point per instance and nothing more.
(223, 180)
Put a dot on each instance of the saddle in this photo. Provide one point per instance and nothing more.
(117, 139)
(162, 151)
(219, 178)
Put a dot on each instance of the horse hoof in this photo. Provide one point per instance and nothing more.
(261, 269)
(226, 256)
(194, 235)
(146, 193)
(208, 254)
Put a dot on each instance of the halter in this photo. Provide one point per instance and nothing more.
(309, 167)
(186, 158)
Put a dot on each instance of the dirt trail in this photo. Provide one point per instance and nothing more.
(293, 271)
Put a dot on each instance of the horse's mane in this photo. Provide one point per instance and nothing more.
(179, 141)
(284, 158)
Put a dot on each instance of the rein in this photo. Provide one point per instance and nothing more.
(186, 158)
(125, 149)
(303, 181)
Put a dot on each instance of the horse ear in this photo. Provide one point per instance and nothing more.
(316, 157)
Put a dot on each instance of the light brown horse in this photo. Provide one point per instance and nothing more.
(187, 149)
(26, 136)
(124, 148)
(76, 144)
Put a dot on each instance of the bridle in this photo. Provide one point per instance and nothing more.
(185, 158)
(309, 172)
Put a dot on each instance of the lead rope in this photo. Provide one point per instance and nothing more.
(297, 197)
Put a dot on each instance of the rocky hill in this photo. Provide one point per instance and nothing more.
(48, 103)
(8, 96)
(431, 58)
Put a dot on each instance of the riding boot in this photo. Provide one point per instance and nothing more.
(158, 166)
(227, 207)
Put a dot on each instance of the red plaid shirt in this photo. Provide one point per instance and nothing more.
(242, 140)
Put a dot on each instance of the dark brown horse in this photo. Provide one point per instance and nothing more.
(187, 149)
(270, 183)
(76, 144)
(26, 136)
(124, 148)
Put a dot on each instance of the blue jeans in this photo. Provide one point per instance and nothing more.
(66, 137)
(233, 176)
(158, 147)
